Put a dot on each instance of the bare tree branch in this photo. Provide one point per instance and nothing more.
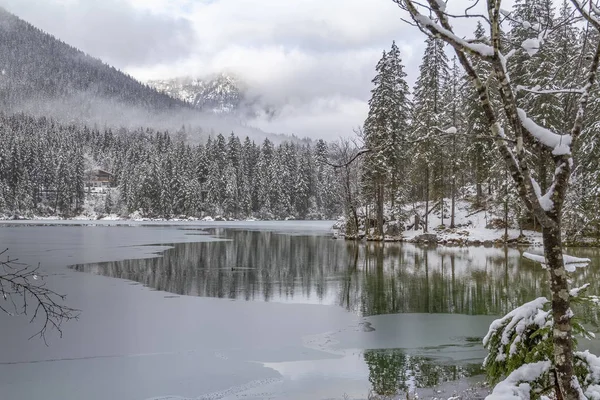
(25, 291)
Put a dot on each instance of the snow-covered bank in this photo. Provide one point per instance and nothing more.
(472, 227)
(136, 216)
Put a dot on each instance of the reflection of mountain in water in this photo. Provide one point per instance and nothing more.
(370, 279)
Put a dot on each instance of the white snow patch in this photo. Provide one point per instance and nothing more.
(471, 226)
(575, 291)
(560, 144)
(571, 263)
(531, 45)
(535, 257)
(545, 200)
(441, 4)
(451, 131)
(517, 386)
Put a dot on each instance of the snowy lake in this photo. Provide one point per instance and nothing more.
(256, 310)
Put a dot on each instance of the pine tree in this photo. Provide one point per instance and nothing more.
(385, 132)
(536, 68)
(428, 116)
(481, 152)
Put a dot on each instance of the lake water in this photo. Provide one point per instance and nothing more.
(257, 310)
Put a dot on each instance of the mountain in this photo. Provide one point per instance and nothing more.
(43, 76)
(218, 94)
(37, 68)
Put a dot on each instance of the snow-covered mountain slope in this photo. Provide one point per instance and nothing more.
(219, 94)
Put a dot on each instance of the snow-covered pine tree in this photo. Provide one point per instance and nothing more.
(456, 140)
(217, 179)
(234, 147)
(265, 181)
(384, 133)
(480, 150)
(429, 119)
(304, 198)
(248, 186)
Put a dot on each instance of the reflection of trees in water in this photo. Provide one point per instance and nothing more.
(369, 278)
(252, 265)
(393, 371)
(477, 280)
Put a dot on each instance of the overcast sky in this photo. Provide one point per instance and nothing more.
(315, 56)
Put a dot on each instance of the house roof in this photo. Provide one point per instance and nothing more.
(98, 171)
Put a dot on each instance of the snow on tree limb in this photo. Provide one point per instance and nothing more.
(481, 49)
(517, 386)
(504, 63)
(575, 291)
(535, 257)
(560, 144)
(531, 46)
(538, 90)
(546, 199)
(518, 319)
(592, 362)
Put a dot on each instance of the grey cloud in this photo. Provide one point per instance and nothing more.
(315, 64)
(109, 29)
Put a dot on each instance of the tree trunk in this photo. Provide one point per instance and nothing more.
(393, 192)
(367, 221)
(350, 208)
(453, 213)
(506, 214)
(562, 331)
(479, 189)
(425, 229)
(380, 191)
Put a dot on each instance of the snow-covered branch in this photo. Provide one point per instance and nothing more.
(537, 90)
(560, 144)
(545, 200)
(438, 29)
(517, 386)
(481, 49)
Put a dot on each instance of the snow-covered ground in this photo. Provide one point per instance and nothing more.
(471, 228)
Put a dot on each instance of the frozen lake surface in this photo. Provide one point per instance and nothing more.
(247, 310)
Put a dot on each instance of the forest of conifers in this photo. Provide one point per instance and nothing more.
(43, 168)
(425, 148)
(432, 142)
